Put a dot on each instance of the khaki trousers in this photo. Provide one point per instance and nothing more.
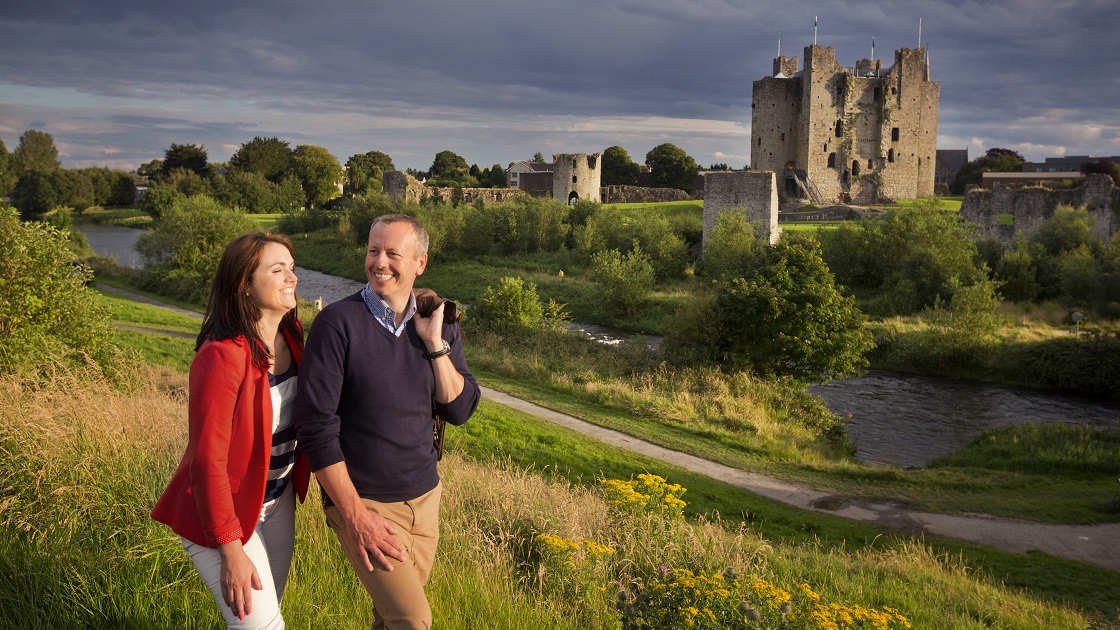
(398, 595)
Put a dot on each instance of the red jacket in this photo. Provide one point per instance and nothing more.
(216, 494)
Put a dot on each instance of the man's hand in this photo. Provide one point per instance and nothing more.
(373, 534)
(430, 329)
(238, 579)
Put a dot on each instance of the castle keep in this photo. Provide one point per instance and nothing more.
(847, 135)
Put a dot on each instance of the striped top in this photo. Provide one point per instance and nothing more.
(283, 389)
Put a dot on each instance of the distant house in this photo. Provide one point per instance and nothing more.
(514, 173)
(1065, 164)
(993, 180)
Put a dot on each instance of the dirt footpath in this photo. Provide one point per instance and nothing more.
(1094, 544)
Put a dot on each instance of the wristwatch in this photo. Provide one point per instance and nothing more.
(439, 353)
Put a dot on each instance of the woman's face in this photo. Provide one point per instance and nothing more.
(273, 283)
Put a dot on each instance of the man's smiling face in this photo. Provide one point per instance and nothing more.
(392, 262)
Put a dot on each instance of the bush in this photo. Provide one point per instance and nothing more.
(181, 251)
(732, 249)
(47, 313)
(785, 318)
(515, 305)
(158, 200)
(624, 280)
(667, 252)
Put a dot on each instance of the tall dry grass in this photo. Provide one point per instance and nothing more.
(82, 461)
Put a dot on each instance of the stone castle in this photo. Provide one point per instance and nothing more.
(847, 135)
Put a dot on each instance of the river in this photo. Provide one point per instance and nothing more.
(894, 419)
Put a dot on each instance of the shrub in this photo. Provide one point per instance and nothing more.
(667, 252)
(47, 313)
(515, 305)
(732, 249)
(785, 318)
(158, 200)
(181, 251)
(623, 280)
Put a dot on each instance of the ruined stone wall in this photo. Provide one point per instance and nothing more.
(398, 185)
(755, 193)
(1029, 207)
(638, 194)
(576, 177)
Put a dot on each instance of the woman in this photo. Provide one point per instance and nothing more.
(232, 499)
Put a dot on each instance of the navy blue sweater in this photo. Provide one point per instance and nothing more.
(365, 396)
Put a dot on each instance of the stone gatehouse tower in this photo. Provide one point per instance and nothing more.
(847, 135)
(576, 177)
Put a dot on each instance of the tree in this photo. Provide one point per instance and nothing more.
(994, 161)
(182, 249)
(269, 157)
(8, 174)
(618, 168)
(515, 305)
(46, 311)
(191, 157)
(151, 170)
(732, 249)
(496, 177)
(1105, 167)
(36, 152)
(785, 317)
(449, 166)
(318, 171)
(671, 167)
(538, 158)
(35, 193)
(365, 171)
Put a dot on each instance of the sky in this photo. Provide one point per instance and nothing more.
(116, 83)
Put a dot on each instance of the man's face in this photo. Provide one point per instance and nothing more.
(392, 263)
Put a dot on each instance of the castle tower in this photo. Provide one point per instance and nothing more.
(576, 177)
(836, 134)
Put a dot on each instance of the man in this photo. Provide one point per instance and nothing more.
(373, 370)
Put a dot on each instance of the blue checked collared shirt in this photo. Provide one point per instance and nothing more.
(386, 315)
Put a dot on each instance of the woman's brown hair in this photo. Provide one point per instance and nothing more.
(230, 312)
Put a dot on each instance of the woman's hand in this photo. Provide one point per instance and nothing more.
(239, 577)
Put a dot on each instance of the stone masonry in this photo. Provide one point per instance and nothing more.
(754, 193)
(576, 177)
(398, 185)
(859, 135)
(1030, 206)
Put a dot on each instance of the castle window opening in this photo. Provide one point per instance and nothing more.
(870, 165)
(894, 134)
(783, 137)
(573, 179)
(831, 160)
(890, 155)
(855, 168)
(839, 128)
(878, 94)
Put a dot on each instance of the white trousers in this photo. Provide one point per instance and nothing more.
(270, 548)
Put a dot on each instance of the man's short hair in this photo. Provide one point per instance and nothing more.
(417, 229)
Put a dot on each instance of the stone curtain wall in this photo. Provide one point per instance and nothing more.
(401, 185)
(1031, 206)
(638, 194)
(756, 193)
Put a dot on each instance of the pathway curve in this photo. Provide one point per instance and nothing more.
(1093, 544)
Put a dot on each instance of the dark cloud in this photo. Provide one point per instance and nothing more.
(500, 79)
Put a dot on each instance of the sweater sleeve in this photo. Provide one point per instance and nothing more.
(216, 375)
(458, 411)
(318, 393)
